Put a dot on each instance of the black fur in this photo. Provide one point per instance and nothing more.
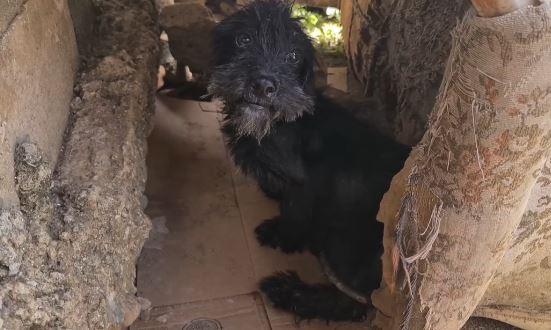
(328, 171)
(288, 292)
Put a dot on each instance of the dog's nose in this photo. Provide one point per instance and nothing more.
(265, 87)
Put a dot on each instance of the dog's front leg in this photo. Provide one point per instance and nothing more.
(290, 231)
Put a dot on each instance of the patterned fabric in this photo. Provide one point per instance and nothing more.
(468, 220)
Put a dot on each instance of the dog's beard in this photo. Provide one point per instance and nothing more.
(247, 115)
(251, 120)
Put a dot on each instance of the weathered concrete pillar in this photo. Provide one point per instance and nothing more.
(38, 62)
(397, 50)
(70, 237)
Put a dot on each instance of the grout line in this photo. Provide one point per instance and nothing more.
(192, 302)
(261, 304)
(236, 199)
(249, 251)
(245, 236)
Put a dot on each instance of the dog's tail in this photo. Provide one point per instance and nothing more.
(319, 301)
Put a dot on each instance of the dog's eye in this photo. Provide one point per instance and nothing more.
(292, 58)
(243, 40)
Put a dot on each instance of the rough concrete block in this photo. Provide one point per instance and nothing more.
(38, 61)
(69, 241)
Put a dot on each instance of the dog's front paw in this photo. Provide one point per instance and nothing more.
(267, 233)
(270, 233)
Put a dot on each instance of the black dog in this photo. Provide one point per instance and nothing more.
(328, 171)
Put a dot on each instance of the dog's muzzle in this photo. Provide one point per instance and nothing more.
(261, 91)
(265, 88)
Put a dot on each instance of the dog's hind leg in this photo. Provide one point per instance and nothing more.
(288, 292)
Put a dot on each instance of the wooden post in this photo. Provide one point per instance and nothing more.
(493, 8)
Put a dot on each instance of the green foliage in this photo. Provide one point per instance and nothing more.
(324, 29)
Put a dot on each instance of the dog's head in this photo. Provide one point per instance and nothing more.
(264, 67)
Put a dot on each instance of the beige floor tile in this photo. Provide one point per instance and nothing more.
(201, 250)
(244, 312)
(185, 130)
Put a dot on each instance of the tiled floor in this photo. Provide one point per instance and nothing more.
(202, 260)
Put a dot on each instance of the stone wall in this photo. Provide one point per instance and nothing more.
(72, 160)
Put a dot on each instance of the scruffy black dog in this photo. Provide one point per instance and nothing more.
(328, 171)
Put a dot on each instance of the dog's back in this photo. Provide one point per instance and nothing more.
(350, 168)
